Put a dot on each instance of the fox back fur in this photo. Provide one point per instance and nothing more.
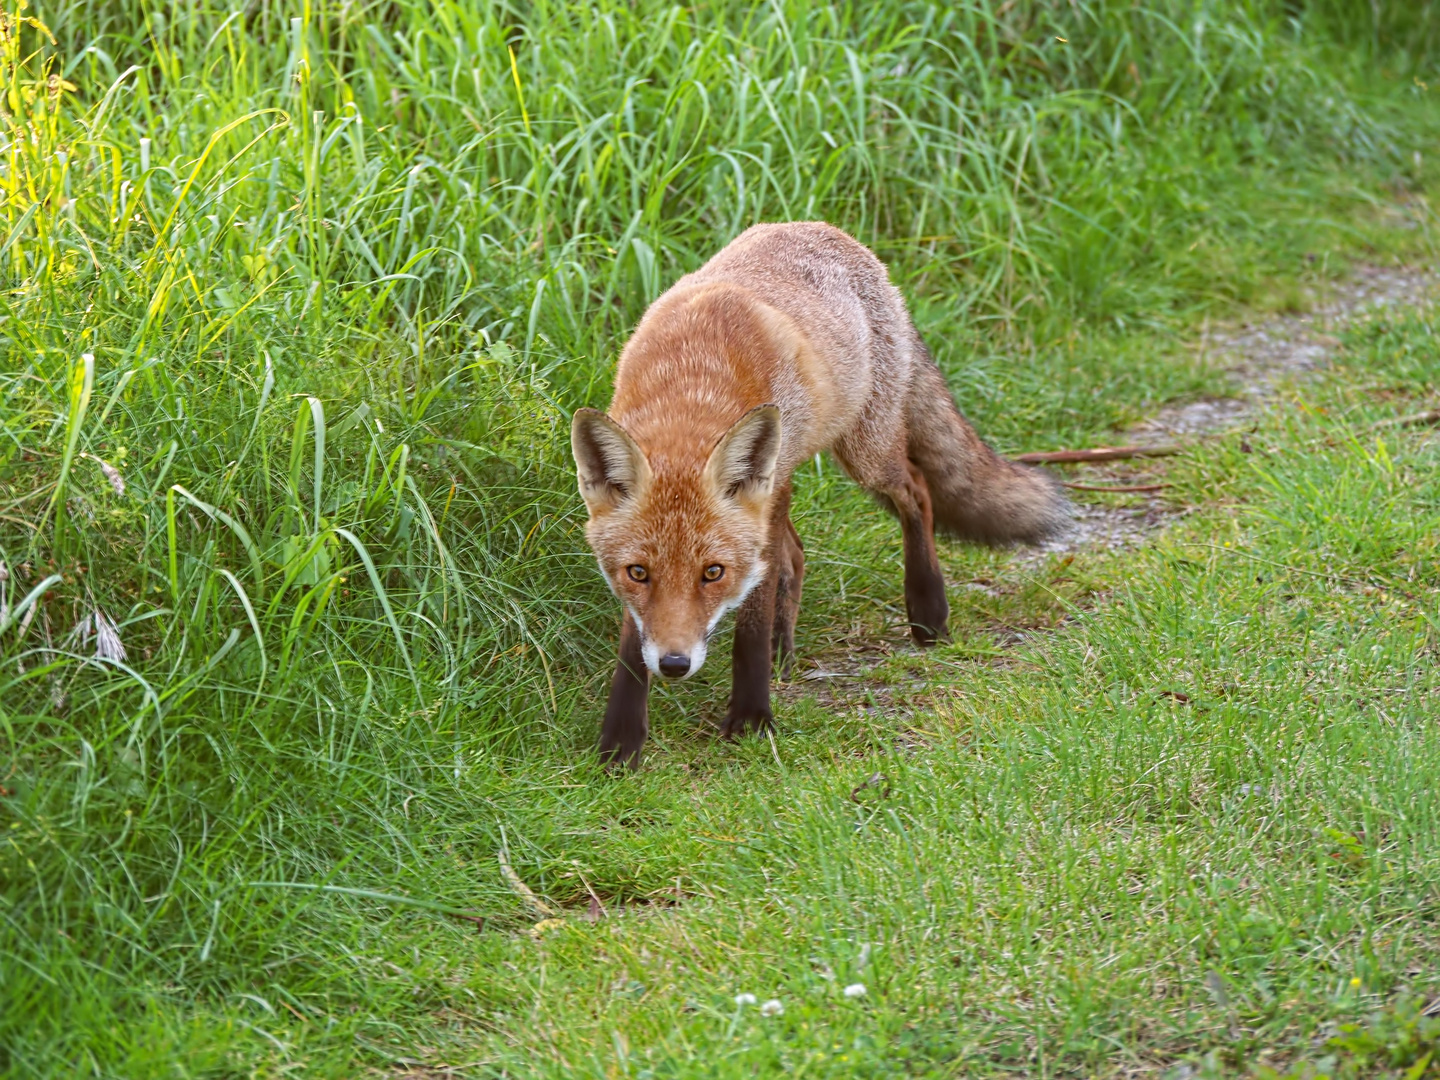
(789, 342)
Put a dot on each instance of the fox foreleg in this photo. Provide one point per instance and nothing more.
(627, 721)
(750, 663)
(755, 626)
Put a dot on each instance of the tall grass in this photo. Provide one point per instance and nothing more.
(297, 300)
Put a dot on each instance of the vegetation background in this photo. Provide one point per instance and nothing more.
(301, 652)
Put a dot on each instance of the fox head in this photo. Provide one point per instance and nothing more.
(683, 542)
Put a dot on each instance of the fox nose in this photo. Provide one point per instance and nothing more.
(673, 665)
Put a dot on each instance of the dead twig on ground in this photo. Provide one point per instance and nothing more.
(879, 781)
(1099, 453)
(526, 894)
(1420, 419)
(1121, 488)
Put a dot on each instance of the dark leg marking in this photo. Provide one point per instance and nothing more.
(925, 600)
(755, 636)
(627, 722)
(790, 560)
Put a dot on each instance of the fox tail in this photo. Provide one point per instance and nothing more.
(976, 494)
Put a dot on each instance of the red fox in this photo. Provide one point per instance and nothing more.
(789, 342)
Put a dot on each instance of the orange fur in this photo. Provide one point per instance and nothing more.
(789, 342)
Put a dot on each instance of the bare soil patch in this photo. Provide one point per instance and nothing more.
(1259, 356)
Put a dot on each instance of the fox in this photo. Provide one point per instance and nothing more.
(790, 342)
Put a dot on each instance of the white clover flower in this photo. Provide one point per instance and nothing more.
(772, 1008)
(855, 990)
(745, 999)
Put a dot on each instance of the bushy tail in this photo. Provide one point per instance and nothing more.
(977, 495)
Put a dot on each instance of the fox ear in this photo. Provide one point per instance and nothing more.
(742, 465)
(612, 468)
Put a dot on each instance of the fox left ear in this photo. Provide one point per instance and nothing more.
(611, 467)
(742, 465)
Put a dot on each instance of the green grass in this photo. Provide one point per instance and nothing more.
(296, 304)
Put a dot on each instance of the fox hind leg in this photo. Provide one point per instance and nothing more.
(876, 455)
(925, 602)
(790, 575)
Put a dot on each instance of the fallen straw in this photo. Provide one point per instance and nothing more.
(1099, 453)
(1116, 487)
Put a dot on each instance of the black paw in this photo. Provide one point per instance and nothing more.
(926, 637)
(929, 628)
(621, 750)
(740, 721)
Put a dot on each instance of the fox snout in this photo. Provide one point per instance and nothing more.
(674, 662)
(674, 666)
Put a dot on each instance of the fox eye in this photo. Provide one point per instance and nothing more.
(638, 573)
(713, 572)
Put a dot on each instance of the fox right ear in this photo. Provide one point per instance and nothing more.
(742, 465)
(611, 467)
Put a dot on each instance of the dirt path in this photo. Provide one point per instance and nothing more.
(1258, 357)
(1261, 356)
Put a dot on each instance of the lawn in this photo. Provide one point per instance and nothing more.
(302, 654)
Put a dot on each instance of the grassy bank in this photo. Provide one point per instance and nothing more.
(296, 306)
